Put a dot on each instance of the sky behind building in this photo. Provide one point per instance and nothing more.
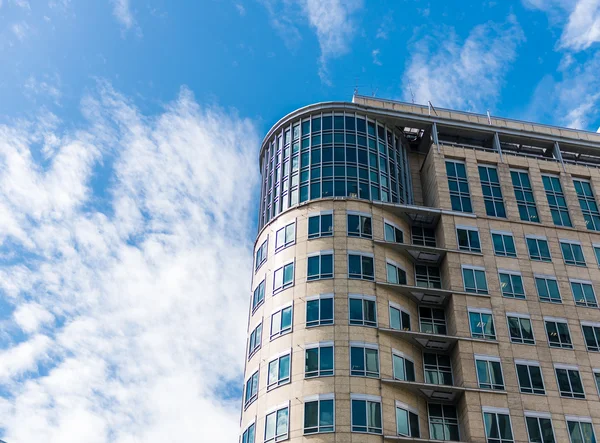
(128, 129)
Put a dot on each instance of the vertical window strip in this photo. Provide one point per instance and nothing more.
(556, 200)
(492, 193)
(587, 203)
(524, 195)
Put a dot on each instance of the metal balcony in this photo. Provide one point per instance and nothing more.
(437, 393)
(419, 215)
(431, 296)
(417, 253)
(432, 342)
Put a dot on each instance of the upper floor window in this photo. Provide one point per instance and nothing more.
(557, 330)
(392, 233)
(404, 368)
(474, 279)
(249, 434)
(279, 371)
(277, 426)
(498, 428)
(281, 321)
(443, 422)
(438, 369)
(320, 225)
(395, 274)
(360, 225)
(255, 340)
(524, 195)
(519, 328)
(580, 429)
(423, 236)
(363, 310)
(319, 310)
(597, 253)
(547, 289)
(511, 284)
(588, 204)
(539, 427)
(319, 414)
(283, 277)
(399, 318)
(320, 265)
(319, 360)
(492, 194)
(251, 390)
(361, 265)
(591, 335)
(258, 297)
(504, 244)
(468, 239)
(407, 421)
(556, 200)
(458, 185)
(583, 293)
(432, 320)
(569, 381)
(261, 255)
(572, 252)
(538, 248)
(428, 276)
(482, 324)
(364, 359)
(529, 376)
(285, 237)
(489, 372)
(366, 414)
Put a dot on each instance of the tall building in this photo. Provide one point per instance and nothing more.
(421, 275)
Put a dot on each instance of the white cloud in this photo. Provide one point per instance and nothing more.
(134, 310)
(462, 75)
(20, 30)
(47, 86)
(375, 55)
(123, 14)
(24, 4)
(241, 9)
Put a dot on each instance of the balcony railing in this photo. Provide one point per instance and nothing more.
(431, 342)
(432, 296)
(437, 393)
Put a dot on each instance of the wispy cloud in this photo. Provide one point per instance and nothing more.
(241, 9)
(123, 14)
(462, 75)
(48, 86)
(375, 55)
(20, 30)
(120, 293)
(386, 26)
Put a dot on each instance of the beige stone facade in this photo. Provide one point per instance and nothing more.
(431, 194)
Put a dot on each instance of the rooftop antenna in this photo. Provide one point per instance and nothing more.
(375, 92)
(430, 108)
(489, 117)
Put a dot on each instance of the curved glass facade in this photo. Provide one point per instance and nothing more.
(332, 154)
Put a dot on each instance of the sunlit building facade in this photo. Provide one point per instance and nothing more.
(422, 275)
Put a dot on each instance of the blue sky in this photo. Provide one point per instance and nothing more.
(128, 131)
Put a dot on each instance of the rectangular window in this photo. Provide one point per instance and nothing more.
(556, 200)
(251, 390)
(443, 422)
(482, 324)
(319, 414)
(279, 371)
(277, 425)
(395, 274)
(438, 369)
(597, 253)
(474, 279)
(281, 322)
(319, 310)
(539, 427)
(580, 429)
(319, 265)
(489, 372)
(261, 255)
(392, 233)
(558, 333)
(255, 340)
(363, 310)
(524, 196)
(583, 293)
(360, 265)
(320, 225)
(407, 421)
(432, 320)
(519, 328)
(359, 225)
(364, 360)
(258, 297)
(249, 434)
(587, 202)
(458, 185)
(492, 194)
(423, 236)
(538, 248)
(498, 428)
(529, 375)
(428, 276)
(399, 318)
(569, 381)
(404, 369)
(591, 335)
(597, 379)
(283, 277)
(468, 239)
(547, 289)
(511, 284)
(572, 253)
(366, 414)
(319, 360)
(504, 244)
(285, 237)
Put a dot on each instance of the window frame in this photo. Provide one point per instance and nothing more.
(284, 285)
(579, 420)
(439, 369)
(503, 234)
(284, 380)
(422, 238)
(524, 203)
(319, 297)
(538, 239)
(557, 320)
(254, 305)
(556, 207)
(595, 326)
(529, 364)
(469, 248)
(511, 274)
(251, 424)
(495, 201)
(546, 278)
(405, 358)
(275, 410)
(428, 278)
(596, 248)
(474, 269)
(282, 331)
(409, 410)
(396, 228)
(286, 243)
(318, 399)
(398, 268)
(435, 323)
(569, 368)
(253, 351)
(489, 359)
(402, 310)
(445, 421)
(587, 199)
(571, 243)
(364, 299)
(520, 316)
(496, 412)
(264, 254)
(461, 195)
(367, 399)
(480, 312)
(581, 282)
(362, 256)
(365, 372)
(321, 233)
(319, 345)
(254, 389)
(361, 216)
(321, 275)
